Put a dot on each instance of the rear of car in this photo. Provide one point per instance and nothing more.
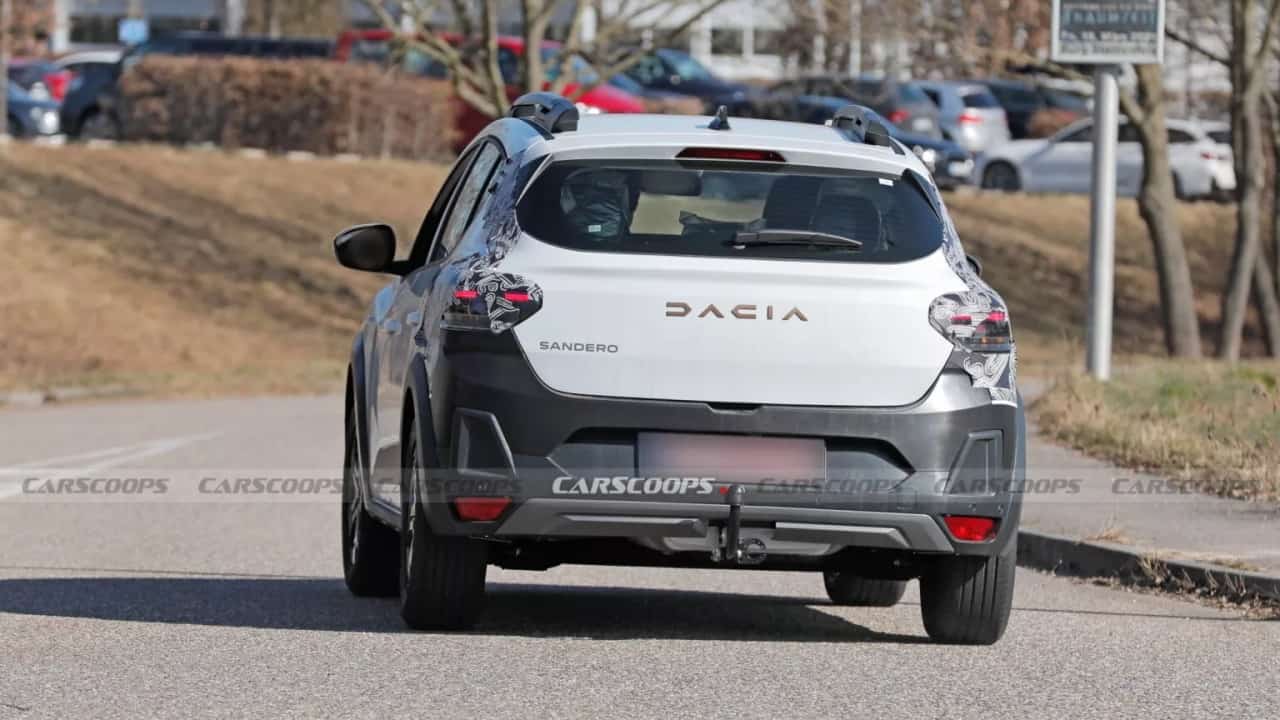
(760, 345)
(970, 115)
(30, 117)
(1202, 159)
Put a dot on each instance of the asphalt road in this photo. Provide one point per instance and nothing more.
(188, 604)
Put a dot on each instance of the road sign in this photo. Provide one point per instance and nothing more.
(1108, 32)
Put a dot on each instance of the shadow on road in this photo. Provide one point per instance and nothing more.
(291, 603)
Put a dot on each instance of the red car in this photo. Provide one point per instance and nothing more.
(375, 46)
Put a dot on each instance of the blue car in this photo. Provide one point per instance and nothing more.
(29, 117)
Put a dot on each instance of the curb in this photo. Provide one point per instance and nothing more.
(36, 398)
(1086, 559)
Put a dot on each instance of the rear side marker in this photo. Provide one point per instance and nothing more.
(480, 509)
(969, 528)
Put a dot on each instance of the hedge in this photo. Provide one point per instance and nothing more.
(318, 106)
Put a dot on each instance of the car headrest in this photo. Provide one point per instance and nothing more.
(791, 202)
(851, 216)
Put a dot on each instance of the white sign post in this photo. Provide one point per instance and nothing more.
(1105, 33)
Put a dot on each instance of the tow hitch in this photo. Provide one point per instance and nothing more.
(733, 550)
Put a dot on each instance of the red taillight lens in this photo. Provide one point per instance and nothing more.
(494, 302)
(971, 326)
(742, 154)
(480, 509)
(968, 528)
(968, 117)
(898, 116)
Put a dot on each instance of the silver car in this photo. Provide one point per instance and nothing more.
(969, 114)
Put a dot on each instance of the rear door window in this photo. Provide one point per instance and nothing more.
(706, 209)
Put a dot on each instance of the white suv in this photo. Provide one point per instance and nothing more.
(683, 341)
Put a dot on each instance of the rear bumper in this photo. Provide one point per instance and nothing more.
(569, 463)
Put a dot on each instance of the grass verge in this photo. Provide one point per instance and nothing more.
(1211, 425)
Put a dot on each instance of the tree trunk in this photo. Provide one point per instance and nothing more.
(1247, 146)
(1158, 205)
(1264, 296)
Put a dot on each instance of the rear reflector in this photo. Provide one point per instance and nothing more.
(899, 116)
(480, 509)
(967, 528)
(716, 153)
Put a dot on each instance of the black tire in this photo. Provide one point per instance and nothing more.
(1002, 177)
(965, 600)
(845, 588)
(370, 550)
(441, 577)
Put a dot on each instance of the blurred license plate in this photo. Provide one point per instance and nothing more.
(732, 458)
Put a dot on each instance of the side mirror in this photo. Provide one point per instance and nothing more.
(973, 263)
(371, 248)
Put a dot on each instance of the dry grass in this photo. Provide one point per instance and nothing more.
(1035, 251)
(186, 272)
(1112, 533)
(1212, 425)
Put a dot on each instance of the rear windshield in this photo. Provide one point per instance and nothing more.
(707, 209)
(908, 93)
(979, 99)
(1014, 96)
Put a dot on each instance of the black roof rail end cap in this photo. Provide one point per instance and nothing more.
(549, 112)
(862, 125)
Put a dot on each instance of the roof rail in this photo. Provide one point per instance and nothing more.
(863, 125)
(549, 112)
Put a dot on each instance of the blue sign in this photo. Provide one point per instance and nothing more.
(133, 31)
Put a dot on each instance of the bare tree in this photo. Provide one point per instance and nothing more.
(1158, 205)
(1249, 55)
(471, 58)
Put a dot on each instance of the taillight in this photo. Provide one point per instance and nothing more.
(971, 323)
(898, 116)
(480, 509)
(493, 302)
(57, 82)
(968, 117)
(968, 528)
(719, 153)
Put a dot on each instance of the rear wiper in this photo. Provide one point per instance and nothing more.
(761, 238)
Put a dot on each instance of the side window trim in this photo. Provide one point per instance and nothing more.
(439, 210)
(448, 215)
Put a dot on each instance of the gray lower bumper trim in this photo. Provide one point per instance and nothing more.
(547, 517)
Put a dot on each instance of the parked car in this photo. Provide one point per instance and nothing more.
(89, 110)
(843, 400)
(375, 45)
(676, 71)
(1030, 107)
(1202, 167)
(815, 99)
(41, 79)
(969, 114)
(30, 116)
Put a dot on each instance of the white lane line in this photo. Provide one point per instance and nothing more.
(105, 458)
